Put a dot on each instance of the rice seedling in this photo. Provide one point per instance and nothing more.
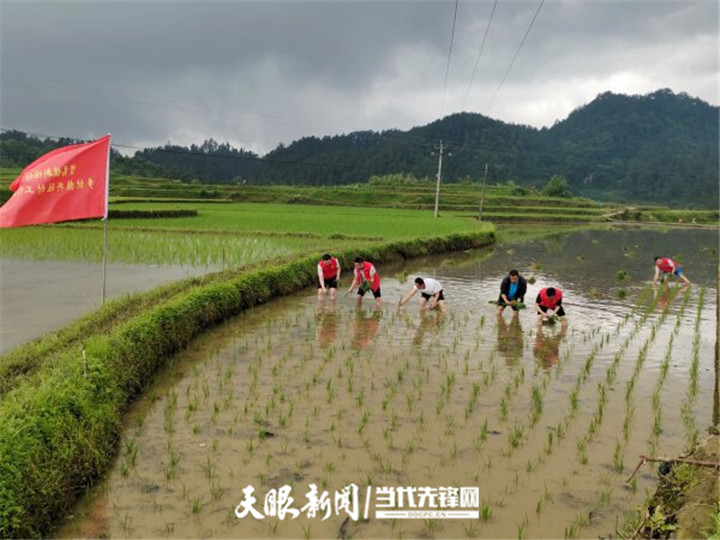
(196, 505)
(470, 529)
(515, 435)
(449, 430)
(131, 451)
(485, 510)
(273, 526)
(430, 526)
(537, 401)
(454, 451)
(360, 399)
(582, 450)
(216, 491)
(548, 447)
(504, 407)
(605, 497)
(618, 458)
(394, 421)
(363, 420)
(571, 531)
(126, 524)
(209, 469)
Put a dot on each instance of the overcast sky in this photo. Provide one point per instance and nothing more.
(257, 74)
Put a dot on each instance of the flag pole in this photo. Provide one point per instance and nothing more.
(105, 227)
(105, 242)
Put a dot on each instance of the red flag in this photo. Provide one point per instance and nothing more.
(68, 183)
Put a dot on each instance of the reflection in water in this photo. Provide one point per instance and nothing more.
(327, 325)
(365, 327)
(429, 323)
(664, 295)
(547, 346)
(510, 339)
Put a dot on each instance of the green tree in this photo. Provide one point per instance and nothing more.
(557, 186)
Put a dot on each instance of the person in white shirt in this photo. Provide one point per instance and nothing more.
(430, 289)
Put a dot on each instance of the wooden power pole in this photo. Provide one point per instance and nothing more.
(439, 176)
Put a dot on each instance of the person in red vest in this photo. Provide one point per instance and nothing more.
(668, 267)
(328, 269)
(549, 303)
(366, 278)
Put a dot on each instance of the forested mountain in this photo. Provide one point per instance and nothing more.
(661, 147)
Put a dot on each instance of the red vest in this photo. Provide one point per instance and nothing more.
(363, 274)
(666, 265)
(546, 301)
(329, 270)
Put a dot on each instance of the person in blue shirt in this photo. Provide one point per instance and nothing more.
(512, 292)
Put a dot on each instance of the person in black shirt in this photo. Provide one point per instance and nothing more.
(512, 292)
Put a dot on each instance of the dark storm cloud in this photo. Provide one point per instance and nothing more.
(256, 74)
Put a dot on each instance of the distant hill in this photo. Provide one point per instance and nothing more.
(658, 148)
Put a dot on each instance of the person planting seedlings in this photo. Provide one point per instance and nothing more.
(431, 291)
(328, 270)
(512, 293)
(548, 305)
(366, 279)
(668, 267)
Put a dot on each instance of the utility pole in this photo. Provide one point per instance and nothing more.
(439, 176)
(482, 193)
(716, 400)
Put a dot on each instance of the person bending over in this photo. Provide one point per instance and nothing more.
(328, 270)
(512, 292)
(430, 290)
(548, 304)
(668, 267)
(366, 279)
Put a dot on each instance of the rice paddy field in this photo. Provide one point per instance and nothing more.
(545, 422)
(53, 274)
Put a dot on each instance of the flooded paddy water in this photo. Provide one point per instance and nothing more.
(545, 423)
(42, 296)
(52, 276)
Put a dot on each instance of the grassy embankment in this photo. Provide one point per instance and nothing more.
(63, 395)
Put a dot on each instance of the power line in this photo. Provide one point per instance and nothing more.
(477, 61)
(447, 68)
(507, 72)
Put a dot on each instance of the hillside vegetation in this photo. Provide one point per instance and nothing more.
(137, 198)
(659, 148)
